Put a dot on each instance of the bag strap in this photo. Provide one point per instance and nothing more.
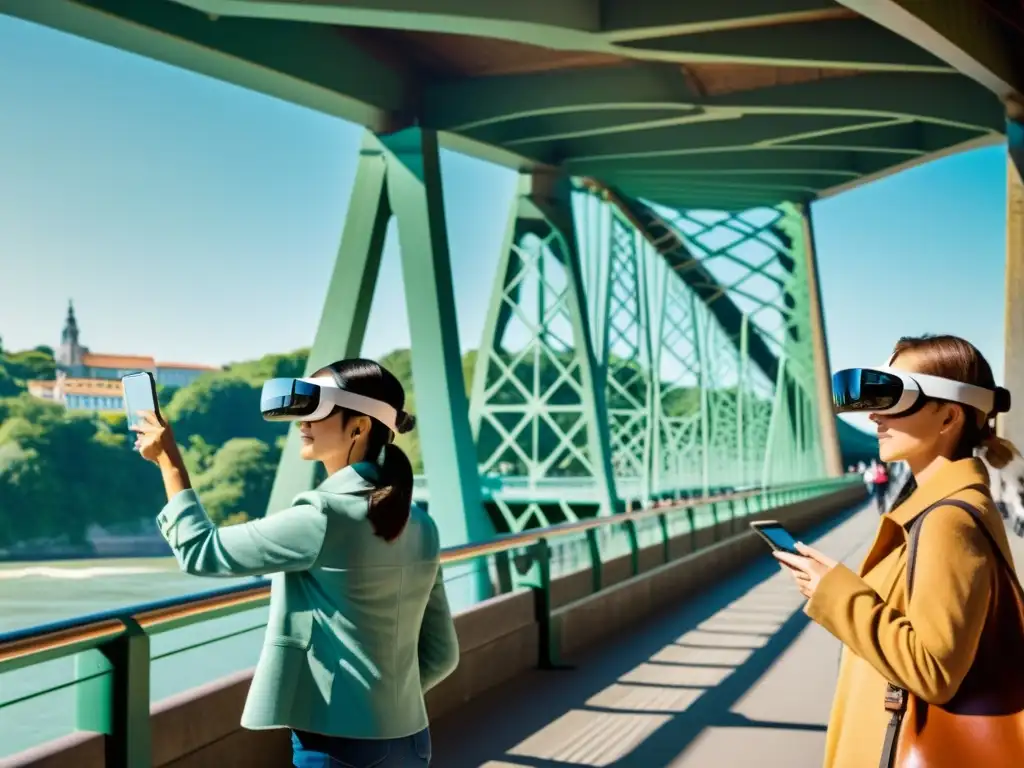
(896, 697)
(915, 535)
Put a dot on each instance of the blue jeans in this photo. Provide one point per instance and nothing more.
(314, 750)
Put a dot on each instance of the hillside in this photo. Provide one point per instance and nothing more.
(75, 469)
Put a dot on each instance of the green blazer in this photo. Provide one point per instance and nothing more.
(359, 629)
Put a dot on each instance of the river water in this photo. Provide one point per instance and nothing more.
(39, 593)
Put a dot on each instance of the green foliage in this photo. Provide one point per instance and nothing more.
(8, 385)
(17, 368)
(32, 364)
(61, 472)
(223, 405)
(235, 484)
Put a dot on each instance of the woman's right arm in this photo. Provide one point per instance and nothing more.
(438, 643)
(290, 540)
(929, 649)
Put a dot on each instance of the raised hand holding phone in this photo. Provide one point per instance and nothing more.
(139, 396)
(154, 437)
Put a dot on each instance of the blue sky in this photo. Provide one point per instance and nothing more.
(170, 206)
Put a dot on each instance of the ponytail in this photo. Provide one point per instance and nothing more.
(391, 501)
(983, 441)
(998, 451)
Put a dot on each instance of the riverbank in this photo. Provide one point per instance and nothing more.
(161, 563)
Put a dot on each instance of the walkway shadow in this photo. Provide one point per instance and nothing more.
(642, 699)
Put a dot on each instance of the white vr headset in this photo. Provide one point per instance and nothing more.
(313, 399)
(890, 392)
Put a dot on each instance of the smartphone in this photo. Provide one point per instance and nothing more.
(778, 538)
(139, 395)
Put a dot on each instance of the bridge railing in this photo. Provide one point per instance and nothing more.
(112, 649)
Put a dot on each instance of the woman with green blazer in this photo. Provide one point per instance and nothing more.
(359, 626)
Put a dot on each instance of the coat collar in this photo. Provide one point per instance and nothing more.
(355, 478)
(946, 482)
(893, 530)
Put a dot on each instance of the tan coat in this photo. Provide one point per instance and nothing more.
(927, 648)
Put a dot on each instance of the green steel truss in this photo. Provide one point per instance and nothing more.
(635, 353)
(630, 353)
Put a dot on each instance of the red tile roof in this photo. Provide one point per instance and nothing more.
(123, 362)
(188, 366)
(138, 363)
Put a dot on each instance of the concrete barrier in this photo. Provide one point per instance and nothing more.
(498, 639)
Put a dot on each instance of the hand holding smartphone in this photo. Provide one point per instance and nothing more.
(777, 537)
(139, 395)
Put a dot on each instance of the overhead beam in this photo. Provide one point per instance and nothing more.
(557, 127)
(900, 137)
(624, 20)
(966, 34)
(466, 104)
(734, 201)
(744, 160)
(781, 32)
(798, 181)
(560, 24)
(728, 134)
(304, 64)
(833, 43)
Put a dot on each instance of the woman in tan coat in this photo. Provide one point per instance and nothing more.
(925, 646)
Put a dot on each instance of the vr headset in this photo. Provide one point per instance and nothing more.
(901, 393)
(315, 399)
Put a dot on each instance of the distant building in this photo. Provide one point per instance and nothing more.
(90, 381)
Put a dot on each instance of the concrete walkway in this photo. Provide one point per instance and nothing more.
(736, 678)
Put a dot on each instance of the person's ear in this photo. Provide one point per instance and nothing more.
(952, 416)
(360, 426)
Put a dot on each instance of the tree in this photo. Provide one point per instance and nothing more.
(236, 485)
(62, 472)
(31, 364)
(218, 408)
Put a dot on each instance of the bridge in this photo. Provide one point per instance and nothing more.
(653, 363)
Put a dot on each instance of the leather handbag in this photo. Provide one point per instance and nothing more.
(983, 724)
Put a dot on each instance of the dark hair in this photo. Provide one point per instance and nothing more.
(954, 358)
(391, 501)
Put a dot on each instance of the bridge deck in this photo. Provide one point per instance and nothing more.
(739, 678)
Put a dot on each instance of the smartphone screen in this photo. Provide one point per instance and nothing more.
(777, 536)
(139, 395)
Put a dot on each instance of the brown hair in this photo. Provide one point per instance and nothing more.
(391, 501)
(954, 358)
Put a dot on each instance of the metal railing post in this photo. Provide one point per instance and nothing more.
(114, 700)
(634, 547)
(503, 571)
(549, 651)
(666, 541)
(596, 564)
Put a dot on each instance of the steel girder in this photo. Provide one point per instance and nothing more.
(733, 104)
(610, 375)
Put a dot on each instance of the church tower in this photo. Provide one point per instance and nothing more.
(69, 355)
